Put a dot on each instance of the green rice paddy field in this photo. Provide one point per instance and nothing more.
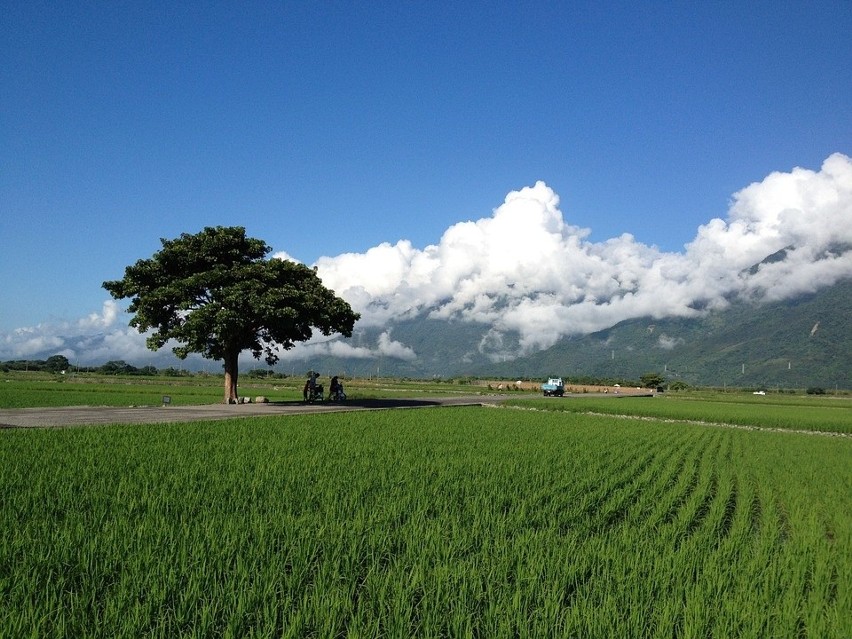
(45, 390)
(439, 522)
(826, 414)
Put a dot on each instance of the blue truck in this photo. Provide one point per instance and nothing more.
(553, 387)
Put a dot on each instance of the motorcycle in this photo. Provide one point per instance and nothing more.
(337, 395)
(315, 394)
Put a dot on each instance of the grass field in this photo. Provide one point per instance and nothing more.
(38, 390)
(456, 522)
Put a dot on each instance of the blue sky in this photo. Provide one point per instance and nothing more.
(330, 128)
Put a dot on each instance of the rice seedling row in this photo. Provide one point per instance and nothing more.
(827, 415)
(431, 523)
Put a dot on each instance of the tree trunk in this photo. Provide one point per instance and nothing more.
(231, 375)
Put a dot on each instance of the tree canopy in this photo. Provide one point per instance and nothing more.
(217, 294)
(57, 363)
(652, 380)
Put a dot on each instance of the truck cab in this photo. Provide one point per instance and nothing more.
(553, 387)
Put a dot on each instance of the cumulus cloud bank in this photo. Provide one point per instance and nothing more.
(320, 346)
(525, 271)
(98, 337)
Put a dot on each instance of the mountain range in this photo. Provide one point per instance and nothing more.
(804, 341)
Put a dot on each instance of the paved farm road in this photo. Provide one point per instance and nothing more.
(89, 415)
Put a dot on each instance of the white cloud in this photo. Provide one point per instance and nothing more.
(525, 269)
(321, 346)
(668, 343)
(282, 255)
(110, 312)
(22, 343)
(395, 349)
(493, 345)
(69, 338)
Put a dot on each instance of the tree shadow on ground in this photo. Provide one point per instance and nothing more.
(365, 403)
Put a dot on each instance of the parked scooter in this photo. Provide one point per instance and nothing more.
(335, 393)
(313, 392)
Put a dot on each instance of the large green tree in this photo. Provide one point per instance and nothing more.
(216, 293)
(57, 364)
(652, 380)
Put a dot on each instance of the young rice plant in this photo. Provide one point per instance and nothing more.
(455, 522)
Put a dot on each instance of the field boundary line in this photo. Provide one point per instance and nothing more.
(694, 422)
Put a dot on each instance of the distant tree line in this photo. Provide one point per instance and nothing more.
(60, 365)
(54, 364)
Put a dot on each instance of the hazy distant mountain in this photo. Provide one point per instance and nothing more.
(796, 343)
(801, 342)
(759, 297)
